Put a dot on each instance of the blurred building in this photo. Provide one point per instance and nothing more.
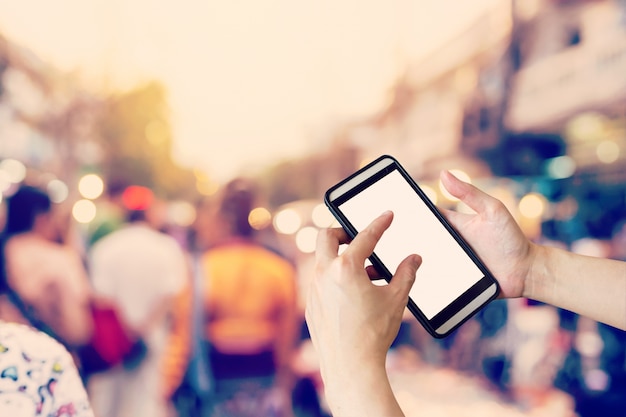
(570, 84)
(571, 80)
(532, 90)
(423, 121)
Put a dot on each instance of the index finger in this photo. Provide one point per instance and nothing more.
(365, 241)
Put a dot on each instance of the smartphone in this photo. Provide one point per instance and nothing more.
(452, 284)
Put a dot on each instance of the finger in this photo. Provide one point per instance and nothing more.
(467, 193)
(405, 274)
(363, 244)
(373, 273)
(328, 241)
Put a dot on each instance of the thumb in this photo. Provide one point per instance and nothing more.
(405, 274)
(466, 192)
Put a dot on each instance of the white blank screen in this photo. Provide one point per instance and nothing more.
(446, 271)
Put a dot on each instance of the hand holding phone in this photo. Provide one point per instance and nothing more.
(452, 284)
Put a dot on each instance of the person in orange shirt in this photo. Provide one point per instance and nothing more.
(249, 309)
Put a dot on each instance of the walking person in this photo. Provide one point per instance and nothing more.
(141, 270)
(250, 311)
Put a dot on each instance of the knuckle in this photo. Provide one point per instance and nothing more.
(496, 208)
(320, 269)
(369, 233)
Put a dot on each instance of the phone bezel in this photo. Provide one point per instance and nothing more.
(464, 306)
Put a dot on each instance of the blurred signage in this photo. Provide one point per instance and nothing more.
(580, 78)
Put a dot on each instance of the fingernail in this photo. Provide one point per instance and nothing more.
(416, 260)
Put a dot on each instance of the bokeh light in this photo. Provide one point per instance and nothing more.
(259, 218)
(84, 211)
(321, 216)
(13, 170)
(607, 151)
(589, 343)
(204, 184)
(91, 186)
(532, 205)
(586, 126)
(57, 190)
(306, 238)
(287, 221)
(561, 167)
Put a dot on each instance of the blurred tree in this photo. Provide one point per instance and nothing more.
(136, 140)
(290, 181)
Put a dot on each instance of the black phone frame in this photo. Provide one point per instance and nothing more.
(456, 306)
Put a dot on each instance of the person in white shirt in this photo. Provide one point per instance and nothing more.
(141, 270)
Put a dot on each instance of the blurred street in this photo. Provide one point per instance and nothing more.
(526, 99)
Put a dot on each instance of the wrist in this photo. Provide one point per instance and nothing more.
(360, 389)
(538, 282)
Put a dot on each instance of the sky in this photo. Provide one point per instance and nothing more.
(250, 83)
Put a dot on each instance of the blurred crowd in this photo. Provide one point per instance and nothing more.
(212, 316)
(127, 313)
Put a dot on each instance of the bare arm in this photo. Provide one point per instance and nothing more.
(593, 287)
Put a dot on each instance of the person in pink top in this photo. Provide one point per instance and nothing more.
(43, 286)
(42, 275)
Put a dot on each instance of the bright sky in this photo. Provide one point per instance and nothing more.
(250, 82)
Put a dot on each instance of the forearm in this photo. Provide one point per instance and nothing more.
(592, 287)
(361, 390)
